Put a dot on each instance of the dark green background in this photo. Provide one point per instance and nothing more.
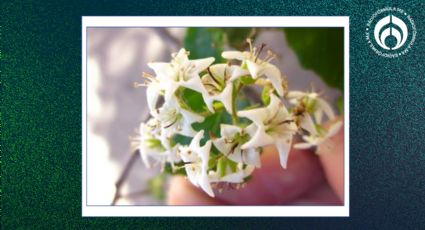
(41, 116)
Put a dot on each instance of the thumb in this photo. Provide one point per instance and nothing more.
(271, 185)
(331, 155)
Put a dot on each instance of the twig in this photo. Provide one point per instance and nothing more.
(168, 37)
(124, 176)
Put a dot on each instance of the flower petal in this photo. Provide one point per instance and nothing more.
(252, 157)
(308, 124)
(256, 115)
(236, 155)
(222, 146)
(152, 95)
(188, 119)
(162, 69)
(201, 64)
(205, 184)
(192, 172)
(218, 70)
(295, 94)
(254, 69)
(273, 74)
(323, 105)
(225, 97)
(233, 55)
(236, 72)
(195, 143)
(195, 84)
(283, 146)
(334, 129)
(260, 138)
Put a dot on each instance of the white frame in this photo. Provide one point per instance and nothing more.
(226, 211)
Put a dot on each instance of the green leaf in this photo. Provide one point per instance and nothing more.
(321, 50)
(236, 37)
(193, 100)
(211, 124)
(205, 42)
(180, 139)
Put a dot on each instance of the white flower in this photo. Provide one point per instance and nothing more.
(315, 140)
(180, 72)
(307, 123)
(258, 67)
(174, 119)
(150, 147)
(218, 84)
(274, 126)
(312, 103)
(196, 160)
(231, 140)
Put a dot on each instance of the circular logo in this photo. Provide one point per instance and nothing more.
(390, 32)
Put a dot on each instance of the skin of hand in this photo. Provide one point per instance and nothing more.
(309, 179)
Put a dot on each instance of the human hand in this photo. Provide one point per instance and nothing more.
(310, 179)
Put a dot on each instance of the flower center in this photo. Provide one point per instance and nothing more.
(280, 123)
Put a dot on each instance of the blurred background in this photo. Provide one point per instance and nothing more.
(116, 58)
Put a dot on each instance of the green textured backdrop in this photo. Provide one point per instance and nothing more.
(41, 115)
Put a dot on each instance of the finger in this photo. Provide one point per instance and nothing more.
(331, 155)
(182, 192)
(322, 195)
(271, 185)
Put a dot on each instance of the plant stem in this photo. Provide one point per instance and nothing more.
(125, 173)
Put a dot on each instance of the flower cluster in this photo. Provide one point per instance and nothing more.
(202, 125)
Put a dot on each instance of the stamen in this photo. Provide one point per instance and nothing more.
(147, 75)
(270, 56)
(259, 51)
(137, 84)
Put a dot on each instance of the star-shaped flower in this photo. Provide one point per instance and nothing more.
(231, 140)
(319, 138)
(258, 67)
(196, 160)
(274, 126)
(312, 104)
(175, 120)
(218, 84)
(180, 72)
(151, 147)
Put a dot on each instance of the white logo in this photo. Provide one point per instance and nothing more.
(392, 36)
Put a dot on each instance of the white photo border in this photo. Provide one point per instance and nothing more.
(216, 211)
